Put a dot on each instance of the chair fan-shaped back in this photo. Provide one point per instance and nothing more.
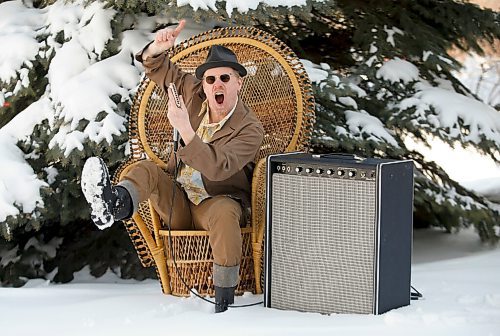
(276, 88)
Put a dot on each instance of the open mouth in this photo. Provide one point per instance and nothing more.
(219, 98)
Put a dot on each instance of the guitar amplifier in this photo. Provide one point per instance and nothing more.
(339, 233)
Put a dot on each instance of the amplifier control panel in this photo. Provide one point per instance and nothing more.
(330, 171)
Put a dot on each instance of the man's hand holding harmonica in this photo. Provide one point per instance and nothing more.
(179, 118)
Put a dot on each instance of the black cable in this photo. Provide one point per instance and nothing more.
(171, 245)
(415, 295)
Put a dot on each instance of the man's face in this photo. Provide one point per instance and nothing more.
(221, 86)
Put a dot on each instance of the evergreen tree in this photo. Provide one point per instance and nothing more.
(57, 238)
(361, 108)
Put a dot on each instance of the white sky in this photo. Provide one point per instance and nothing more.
(481, 77)
(80, 87)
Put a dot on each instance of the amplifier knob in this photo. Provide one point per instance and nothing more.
(340, 172)
(352, 173)
(298, 169)
(319, 171)
(329, 171)
(309, 170)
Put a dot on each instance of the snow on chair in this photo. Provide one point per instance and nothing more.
(278, 89)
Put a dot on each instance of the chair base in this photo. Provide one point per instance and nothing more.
(194, 260)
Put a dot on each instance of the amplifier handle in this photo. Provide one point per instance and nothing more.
(345, 156)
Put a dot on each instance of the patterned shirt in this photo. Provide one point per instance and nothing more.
(189, 178)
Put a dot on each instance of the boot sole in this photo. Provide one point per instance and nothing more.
(95, 178)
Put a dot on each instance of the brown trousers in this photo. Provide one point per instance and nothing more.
(220, 215)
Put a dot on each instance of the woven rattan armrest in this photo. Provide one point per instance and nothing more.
(258, 220)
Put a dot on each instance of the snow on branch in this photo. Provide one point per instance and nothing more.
(461, 116)
(81, 85)
(238, 5)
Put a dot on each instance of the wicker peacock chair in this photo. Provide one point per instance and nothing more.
(278, 89)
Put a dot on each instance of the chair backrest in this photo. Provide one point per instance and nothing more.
(277, 88)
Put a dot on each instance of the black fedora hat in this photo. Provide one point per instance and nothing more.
(220, 56)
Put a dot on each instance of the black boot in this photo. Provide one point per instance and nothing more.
(108, 203)
(224, 296)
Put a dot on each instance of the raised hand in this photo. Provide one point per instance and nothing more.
(165, 38)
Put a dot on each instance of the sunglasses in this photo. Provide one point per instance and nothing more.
(211, 79)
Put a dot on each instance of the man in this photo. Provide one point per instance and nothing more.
(220, 139)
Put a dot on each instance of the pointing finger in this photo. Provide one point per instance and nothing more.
(179, 27)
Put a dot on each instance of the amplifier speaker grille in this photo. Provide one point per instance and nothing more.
(331, 241)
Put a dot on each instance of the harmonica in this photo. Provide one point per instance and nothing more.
(177, 101)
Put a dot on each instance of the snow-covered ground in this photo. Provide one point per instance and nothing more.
(458, 276)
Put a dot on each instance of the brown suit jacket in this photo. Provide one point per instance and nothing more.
(226, 162)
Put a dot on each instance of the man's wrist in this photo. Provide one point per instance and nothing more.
(187, 135)
(151, 51)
